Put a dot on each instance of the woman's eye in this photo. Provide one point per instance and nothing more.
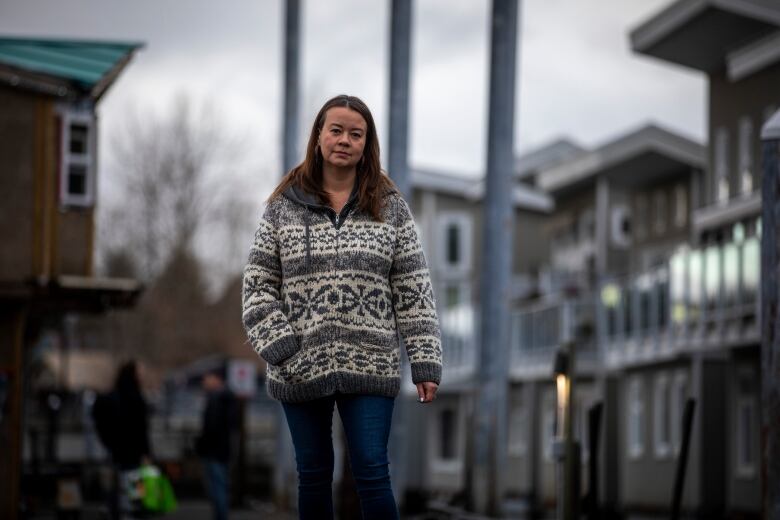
(356, 136)
(335, 131)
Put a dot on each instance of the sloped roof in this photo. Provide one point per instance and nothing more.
(473, 189)
(62, 67)
(701, 34)
(635, 157)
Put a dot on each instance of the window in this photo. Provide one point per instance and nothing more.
(457, 321)
(661, 416)
(662, 298)
(695, 278)
(751, 269)
(635, 418)
(712, 276)
(747, 425)
(659, 222)
(447, 434)
(677, 407)
(746, 155)
(518, 422)
(721, 165)
(77, 159)
(620, 226)
(454, 242)
(677, 286)
(680, 205)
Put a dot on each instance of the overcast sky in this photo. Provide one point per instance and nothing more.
(576, 75)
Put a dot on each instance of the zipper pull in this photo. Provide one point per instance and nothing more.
(337, 219)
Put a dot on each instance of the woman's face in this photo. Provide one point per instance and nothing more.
(342, 137)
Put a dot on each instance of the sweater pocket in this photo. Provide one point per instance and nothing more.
(382, 360)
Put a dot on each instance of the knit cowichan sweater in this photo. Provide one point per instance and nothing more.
(325, 295)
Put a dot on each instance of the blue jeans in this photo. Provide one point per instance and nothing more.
(366, 420)
(218, 483)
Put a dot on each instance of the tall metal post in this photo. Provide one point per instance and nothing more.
(400, 45)
(770, 321)
(284, 472)
(398, 167)
(497, 232)
(292, 24)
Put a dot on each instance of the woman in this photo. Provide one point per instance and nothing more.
(335, 272)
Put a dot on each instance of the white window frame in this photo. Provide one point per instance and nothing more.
(679, 396)
(662, 417)
(721, 170)
(745, 469)
(746, 183)
(635, 418)
(69, 116)
(619, 238)
(463, 222)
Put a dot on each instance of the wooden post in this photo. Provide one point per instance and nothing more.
(770, 324)
(12, 324)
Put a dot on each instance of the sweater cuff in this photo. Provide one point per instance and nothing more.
(426, 371)
(281, 349)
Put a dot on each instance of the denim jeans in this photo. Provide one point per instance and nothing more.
(218, 483)
(366, 420)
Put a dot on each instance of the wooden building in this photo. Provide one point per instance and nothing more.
(49, 90)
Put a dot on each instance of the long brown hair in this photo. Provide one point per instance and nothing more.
(373, 182)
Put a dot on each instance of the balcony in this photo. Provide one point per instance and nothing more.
(539, 329)
(702, 298)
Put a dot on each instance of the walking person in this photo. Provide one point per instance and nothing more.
(220, 418)
(122, 423)
(335, 273)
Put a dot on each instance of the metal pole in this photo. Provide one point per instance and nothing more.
(400, 44)
(770, 322)
(284, 472)
(491, 411)
(398, 167)
(292, 21)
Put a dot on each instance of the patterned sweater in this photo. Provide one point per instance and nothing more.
(325, 296)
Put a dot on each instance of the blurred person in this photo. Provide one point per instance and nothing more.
(220, 418)
(336, 270)
(122, 423)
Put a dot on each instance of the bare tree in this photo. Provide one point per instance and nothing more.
(178, 184)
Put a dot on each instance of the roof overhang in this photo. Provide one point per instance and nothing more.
(648, 155)
(524, 197)
(700, 34)
(75, 293)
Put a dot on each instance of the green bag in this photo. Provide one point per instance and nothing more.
(157, 495)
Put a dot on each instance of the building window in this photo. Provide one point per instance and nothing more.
(659, 222)
(454, 242)
(518, 422)
(721, 165)
(747, 432)
(620, 226)
(457, 321)
(635, 418)
(77, 183)
(680, 205)
(679, 397)
(661, 416)
(447, 433)
(746, 155)
(677, 287)
(712, 276)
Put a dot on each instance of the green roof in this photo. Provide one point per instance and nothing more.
(84, 63)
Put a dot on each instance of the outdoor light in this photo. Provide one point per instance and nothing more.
(563, 385)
